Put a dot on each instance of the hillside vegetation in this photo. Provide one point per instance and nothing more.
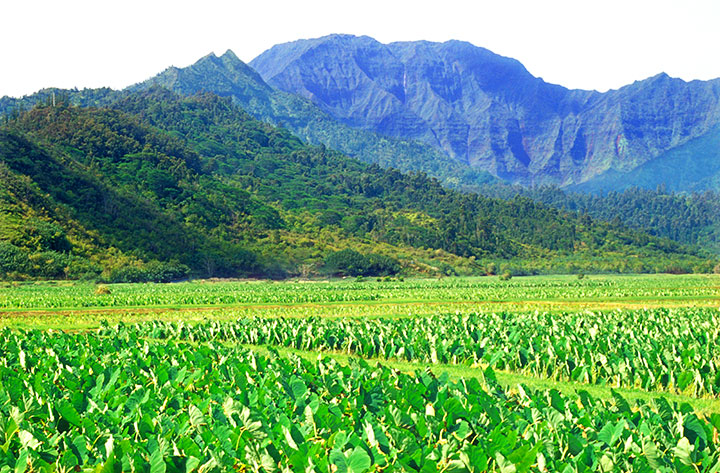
(159, 186)
(689, 218)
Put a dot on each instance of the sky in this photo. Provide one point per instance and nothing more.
(583, 44)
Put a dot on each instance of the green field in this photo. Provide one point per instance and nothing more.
(605, 373)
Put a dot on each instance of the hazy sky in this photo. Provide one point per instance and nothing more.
(576, 43)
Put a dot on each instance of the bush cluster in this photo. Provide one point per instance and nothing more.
(153, 271)
(349, 262)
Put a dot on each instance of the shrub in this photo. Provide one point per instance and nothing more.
(102, 290)
(154, 271)
(50, 264)
(506, 276)
(349, 262)
(13, 259)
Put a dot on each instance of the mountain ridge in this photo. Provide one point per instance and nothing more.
(488, 111)
(458, 112)
(227, 76)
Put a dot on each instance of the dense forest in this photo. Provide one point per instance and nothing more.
(689, 218)
(158, 186)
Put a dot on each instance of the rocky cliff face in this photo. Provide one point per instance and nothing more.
(228, 76)
(487, 111)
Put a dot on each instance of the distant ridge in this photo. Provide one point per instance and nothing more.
(460, 113)
(228, 76)
(488, 112)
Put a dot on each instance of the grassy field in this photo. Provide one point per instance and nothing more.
(629, 363)
(76, 305)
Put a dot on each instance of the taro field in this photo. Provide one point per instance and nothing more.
(534, 374)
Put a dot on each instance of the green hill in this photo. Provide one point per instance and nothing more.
(158, 186)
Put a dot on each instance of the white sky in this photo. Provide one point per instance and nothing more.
(586, 44)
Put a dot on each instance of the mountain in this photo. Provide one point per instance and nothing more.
(489, 113)
(156, 185)
(228, 76)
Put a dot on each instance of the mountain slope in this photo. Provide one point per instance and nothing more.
(227, 76)
(487, 111)
(693, 166)
(196, 181)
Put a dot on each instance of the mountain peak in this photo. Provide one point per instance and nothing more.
(230, 56)
(209, 56)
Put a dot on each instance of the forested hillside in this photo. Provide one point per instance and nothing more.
(162, 184)
(689, 218)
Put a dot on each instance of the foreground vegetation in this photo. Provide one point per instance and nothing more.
(263, 376)
(129, 404)
(655, 350)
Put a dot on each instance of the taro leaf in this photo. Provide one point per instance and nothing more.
(574, 444)
(541, 463)
(620, 402)
(587, 457)
(298, 388)
(358, 461)
(23, 362)
(454, 410)
(79, 446)
(27, 440)
(715, 420)
(191, 464)
(108, 466)
(651, 453)
(157, 463)
(684, 379)
(490, 377)
(288, 438)
(557, 401)
(694, 431)
(68, 460)
(455, 466)
(268, 463)
(606, 463)
(370, 434)
(475, 459)
(21, 463)
(505, 466)
(338, 460)
(611, 433)
(683, 451)
(69, 413)
(664, 409)
(196, 416)
(586, 399)
(110, 446)
(461, 430)
(525, 456)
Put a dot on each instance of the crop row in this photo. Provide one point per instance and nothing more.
(82, 402)
(451, 289)
(656, 350)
